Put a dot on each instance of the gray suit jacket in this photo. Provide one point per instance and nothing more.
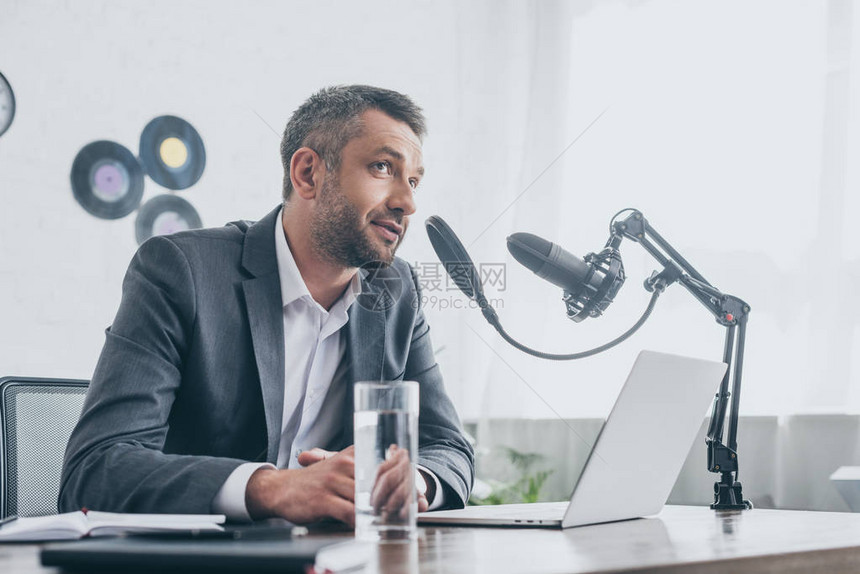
(190, 383)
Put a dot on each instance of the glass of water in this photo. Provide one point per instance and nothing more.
(386, 447)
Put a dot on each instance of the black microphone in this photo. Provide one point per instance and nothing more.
(551, 262)
(590, 285)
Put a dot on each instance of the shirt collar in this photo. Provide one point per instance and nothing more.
(293, 287)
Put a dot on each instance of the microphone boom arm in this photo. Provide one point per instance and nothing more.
(730, 312)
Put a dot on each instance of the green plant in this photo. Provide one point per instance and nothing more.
(525, 488)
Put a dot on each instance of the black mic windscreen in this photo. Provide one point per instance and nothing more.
(454, 257)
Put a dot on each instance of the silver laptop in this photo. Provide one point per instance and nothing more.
(637, 456)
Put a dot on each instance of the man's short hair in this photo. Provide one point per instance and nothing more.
(330, 118)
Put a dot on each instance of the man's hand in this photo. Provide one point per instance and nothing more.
(393, 479)
(325, 488)
(395, 485)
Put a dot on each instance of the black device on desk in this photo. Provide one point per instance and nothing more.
(252, 548)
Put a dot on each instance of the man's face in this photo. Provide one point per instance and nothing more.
(363, 210)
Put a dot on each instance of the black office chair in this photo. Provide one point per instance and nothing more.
(36, 418)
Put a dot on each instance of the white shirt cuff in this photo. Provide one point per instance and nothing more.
(439, 497)
(230, 499)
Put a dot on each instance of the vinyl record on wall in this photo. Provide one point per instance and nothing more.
(172, 152)
(163, 215)
(7, 104)
(107, 180)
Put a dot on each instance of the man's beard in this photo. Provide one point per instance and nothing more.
(340, 236)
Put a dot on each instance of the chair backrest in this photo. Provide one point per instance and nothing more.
(36, 418)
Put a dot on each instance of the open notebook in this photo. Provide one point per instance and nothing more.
(72, 525)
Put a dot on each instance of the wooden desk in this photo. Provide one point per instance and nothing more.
(680, 539)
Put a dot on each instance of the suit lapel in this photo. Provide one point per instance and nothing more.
(367, 335)
(365, 347)
(265, 316)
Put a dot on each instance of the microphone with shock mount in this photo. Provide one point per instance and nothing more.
(590, 285)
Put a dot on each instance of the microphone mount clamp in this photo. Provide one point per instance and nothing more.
(591, 301)
(730, 312)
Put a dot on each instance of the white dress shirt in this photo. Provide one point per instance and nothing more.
(314, 346)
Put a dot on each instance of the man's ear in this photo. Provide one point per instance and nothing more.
(307, 170)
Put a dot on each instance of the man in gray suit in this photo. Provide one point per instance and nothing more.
(225, 382)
